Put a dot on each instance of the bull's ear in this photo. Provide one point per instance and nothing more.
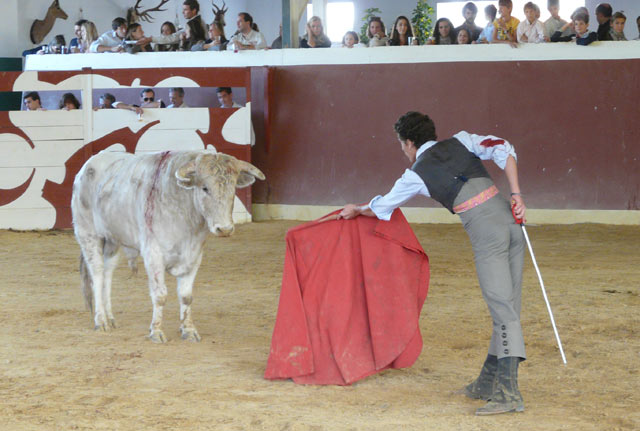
(248, 174)
(186, 175)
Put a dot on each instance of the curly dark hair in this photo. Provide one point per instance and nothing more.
(417, 127)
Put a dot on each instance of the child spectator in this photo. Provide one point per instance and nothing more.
(217, 40)
(531, 29)
(580, 23)
(135, 33)
(487, 33)
(69, 102)
(376, 33)
(442, 33)
(463, 37)
(350, 39)
(166, 29)
(617, 28)
(469, 12)
(603, 15)
(401, 32)
(315, 37)
(555, 23)
(505, 28)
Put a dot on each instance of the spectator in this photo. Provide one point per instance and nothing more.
(315, 37)
(376, 33)
(77, 28)
(487, 33)
(248, 35)
(147, 100)
(401, 32)
(176, 97)
(217, 40)
(603, 16)
(531, 29)
(111, 41)
(617, 28)
(469, 12)
(88, 34)
(190, 12)
(106, 101)
(350, 39)
(166, 29)
(505, 28)
(55, 46)
(193, 37)
(463, 37)
(225, 97)
(69, 102)
(277, 42)
(580, 23)
(555, 23)
(32, 101)
(442, 33)
(135, 33)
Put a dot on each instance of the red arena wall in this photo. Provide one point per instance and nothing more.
(574, 125)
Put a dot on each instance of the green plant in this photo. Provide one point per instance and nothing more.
(421, 20)
(368, 13)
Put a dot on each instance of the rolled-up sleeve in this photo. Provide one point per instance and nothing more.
(406, 187)
(488, 147)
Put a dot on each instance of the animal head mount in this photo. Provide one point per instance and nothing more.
(40, 28)
(134, 14)
(219, 12)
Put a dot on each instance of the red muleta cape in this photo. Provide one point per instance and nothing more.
(352, 291)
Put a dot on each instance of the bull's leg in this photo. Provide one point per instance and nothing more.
(110, 253)
(158, 291)
(92, 251)
(185, 287)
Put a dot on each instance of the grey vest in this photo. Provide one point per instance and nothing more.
(446, 167)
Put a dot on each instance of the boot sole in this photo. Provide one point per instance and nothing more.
(516, 409)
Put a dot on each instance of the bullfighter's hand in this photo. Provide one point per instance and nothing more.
(349, 211)
(519, 208)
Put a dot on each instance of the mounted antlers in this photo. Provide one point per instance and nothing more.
(40, 28)
(134, 14)
(219, 12)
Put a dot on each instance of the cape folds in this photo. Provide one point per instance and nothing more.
(352, 291)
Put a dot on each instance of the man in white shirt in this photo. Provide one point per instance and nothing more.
(176, 97)
(225, 97)
(247, 36)
(111, 41)
(452, 173)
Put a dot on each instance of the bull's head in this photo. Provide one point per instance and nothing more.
(214, 179)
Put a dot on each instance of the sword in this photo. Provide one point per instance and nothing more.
(544, 292)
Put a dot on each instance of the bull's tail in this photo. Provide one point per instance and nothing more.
(86, 283)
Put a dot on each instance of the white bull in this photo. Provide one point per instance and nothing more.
(160, 206)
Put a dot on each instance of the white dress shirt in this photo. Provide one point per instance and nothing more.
(254, 38)
(410, 184)
(534, 31)
(108, 39)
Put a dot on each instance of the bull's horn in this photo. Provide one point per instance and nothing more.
(185, 174)
(248, 174)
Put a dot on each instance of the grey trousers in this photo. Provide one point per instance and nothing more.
(498, 248)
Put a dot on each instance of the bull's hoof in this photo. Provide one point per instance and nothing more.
(102, 325)
(157, 336)
(190, 335)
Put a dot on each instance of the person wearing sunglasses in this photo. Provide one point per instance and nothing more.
(147, 100)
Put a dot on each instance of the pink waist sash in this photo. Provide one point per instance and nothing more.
(478, 199)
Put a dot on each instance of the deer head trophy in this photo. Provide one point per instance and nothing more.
(40, 28)
(135, 15)
(219, 12)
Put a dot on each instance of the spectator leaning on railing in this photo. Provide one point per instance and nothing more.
(486, 36)
(376, 33)
(77, 28)
(32, 101)
(315, 37)
(88, 34)
(225, 97)
(618, 21)
(176, 97)
(68, 102)
(111, 41)
(166, 29)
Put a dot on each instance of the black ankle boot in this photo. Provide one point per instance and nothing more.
(482, 387)
(506, 396)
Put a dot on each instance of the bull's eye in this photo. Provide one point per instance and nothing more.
(206, 190)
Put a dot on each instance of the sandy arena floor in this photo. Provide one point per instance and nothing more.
(58, 374)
